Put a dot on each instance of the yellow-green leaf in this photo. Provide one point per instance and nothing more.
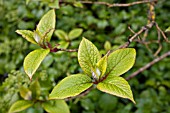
(75, 33)
(78, 4)
(28, 35)
(27, 1)
(20, 106)
(71, 86)
(35, 89)
(37, 37)
(46, 25)
(120, 61)
(61, 34)
(63, 44)
(107, 46)
(117, 86)
(33, 60)
(168, 29)
(54, 4)
(25, 93)
(56, 106)
(102, 65)
(88, 56)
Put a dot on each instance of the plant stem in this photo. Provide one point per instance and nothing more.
(68, 50)
(148, 65)
(117, 4)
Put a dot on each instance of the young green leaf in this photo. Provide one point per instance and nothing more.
(95, 73)
(20, 106)
(25, 93)
(38, 37)
(78, 4)
(28, 35)
(61, 34)
(117, 86)
(71, 86)
(107, 46)
(168, 29)
(102, 65)
(88, 56)
(56, 106)
(63, 44)
(33, 60)
(35, 89)
(120, 61)
(46, 25)
(27, 1)
(54, 4)
(75, 33)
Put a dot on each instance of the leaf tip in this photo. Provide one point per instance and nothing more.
(84, 38)
(17, 31)
(133, 101)
(168, 29)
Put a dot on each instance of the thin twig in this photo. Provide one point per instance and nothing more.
(117, 4)
(158, 50)
(159, 42)
(137, 34)
(144, 40)
(163, 34)
(148, 65)
(139, 38)
(131, 29)
(126, 44)
(68, 50)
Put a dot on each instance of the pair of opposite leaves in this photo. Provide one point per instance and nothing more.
(103, 71)
(109, 67)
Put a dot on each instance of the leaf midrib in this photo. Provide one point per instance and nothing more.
(32, 64)
(75, 85)
(89, 55)
(116, 63)
(106, 83)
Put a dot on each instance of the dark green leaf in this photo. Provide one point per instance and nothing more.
(108, 102)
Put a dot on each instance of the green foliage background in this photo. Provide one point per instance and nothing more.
(100, 24)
